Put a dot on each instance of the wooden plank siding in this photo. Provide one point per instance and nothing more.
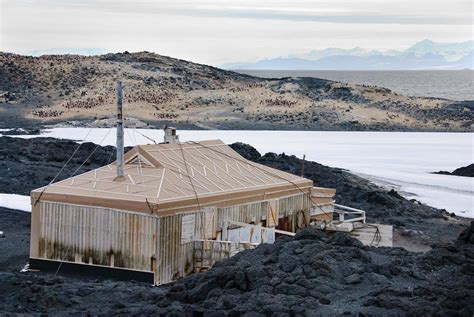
(137, 241)
(294, 211)
(208, 252)
(96, 236)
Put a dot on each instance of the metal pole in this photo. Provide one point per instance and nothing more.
(118, 89)
(302, 165)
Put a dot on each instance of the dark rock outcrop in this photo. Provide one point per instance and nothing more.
(27, 164)
(467, 171)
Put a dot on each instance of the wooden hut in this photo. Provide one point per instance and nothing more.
(177, 209)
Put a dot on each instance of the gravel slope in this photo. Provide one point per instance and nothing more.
(161, 90)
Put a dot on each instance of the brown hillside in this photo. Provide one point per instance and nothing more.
(158, 89)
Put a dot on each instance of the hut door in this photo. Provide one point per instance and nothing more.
(209, 230)
(284, 224)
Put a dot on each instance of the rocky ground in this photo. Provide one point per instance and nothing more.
(159, 90)
(26, 164)
(15, 244)
(312, 274)
(467, 171)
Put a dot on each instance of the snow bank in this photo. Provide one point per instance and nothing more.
(13, 201)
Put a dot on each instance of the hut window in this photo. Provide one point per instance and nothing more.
(139, 161)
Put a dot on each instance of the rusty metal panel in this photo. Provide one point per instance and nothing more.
(97, 236)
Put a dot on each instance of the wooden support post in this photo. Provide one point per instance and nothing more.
(225, 235)
(35, 230)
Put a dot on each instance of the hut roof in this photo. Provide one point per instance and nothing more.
(171, 176)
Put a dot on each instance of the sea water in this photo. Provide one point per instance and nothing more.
(448, 84)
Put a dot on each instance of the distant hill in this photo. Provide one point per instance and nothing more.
(79, 90)
(425, 54)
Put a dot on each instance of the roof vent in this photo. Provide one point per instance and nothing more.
(170, 135)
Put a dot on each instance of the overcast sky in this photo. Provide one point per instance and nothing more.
(215, 32)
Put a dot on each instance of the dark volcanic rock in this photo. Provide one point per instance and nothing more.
(26, 164)
(14, 246)
(310, 274)
(22, 131)
(467, 171)
(247, 151)
(467, 235)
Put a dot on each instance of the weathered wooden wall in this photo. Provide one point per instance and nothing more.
(110, 237)
(137, 241)
(293, 212)
(248, 213)
(175, 245)
(96, 236)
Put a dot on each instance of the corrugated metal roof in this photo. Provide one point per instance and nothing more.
(172, 172)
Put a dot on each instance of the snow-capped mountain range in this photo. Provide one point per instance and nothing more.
(425, 54)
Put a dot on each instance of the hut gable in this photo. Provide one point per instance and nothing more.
(171, 176)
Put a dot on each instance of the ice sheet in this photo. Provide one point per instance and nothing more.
(14, 201)
(400, 159)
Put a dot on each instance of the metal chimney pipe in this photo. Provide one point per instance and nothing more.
(119, 144)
